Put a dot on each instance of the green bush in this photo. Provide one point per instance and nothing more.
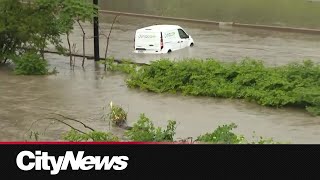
(222, 135)
(117, 115)
(295, 84)
(30, 63)
(125, 67)
(144, 130)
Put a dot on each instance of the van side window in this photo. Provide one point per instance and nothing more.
(182, 34)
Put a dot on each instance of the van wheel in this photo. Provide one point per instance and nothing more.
(169, 51)
(191, 45)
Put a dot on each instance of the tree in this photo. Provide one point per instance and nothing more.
(71, 12)
(13, 32)
(31, 27)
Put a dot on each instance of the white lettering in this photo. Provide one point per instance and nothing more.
(87, 163)
(122, 164)
(69, 159)
(56, 164)
(19, 160)
(42, 161)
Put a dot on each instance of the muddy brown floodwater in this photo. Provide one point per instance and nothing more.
(82, 94)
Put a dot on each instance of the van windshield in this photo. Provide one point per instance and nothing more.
(182, 34)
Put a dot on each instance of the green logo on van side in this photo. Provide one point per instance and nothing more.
(169, 34)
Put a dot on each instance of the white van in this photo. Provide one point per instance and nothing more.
(159, 39)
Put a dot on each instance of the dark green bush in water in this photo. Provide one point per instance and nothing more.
(30, 63)
(295, 84)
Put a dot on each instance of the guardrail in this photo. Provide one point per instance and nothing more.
(233, 24)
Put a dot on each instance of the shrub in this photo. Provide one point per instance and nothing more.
(295, 84)
(125, 67)
(144, 130)
(30, 63)
(222, 135)
(117, 115)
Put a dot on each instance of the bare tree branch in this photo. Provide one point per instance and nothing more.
(61, 121)
(74, 120)
(83, 43)
(108, 37)
(45, 129)
(32, 125)
(74, 51)
(70, 51)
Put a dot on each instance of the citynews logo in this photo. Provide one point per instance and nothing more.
(42, 161)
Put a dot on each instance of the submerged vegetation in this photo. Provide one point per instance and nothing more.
(143, 130)
(117, 115)
(294, 84)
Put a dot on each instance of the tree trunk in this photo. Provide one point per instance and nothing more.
(70, 50)
(108, 38)
(84, 48)
(83, 43)
(106, 54)
(43, 47)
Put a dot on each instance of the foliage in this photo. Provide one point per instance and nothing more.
(117, 115)
(263, 140)
(25, 30)
(222, 135)
(30, 63)
(34, 135)
(294, 84)
(144, 130)
(13, 30)
(25, 26)
(96, 136)
(67, 12)
(125, 67)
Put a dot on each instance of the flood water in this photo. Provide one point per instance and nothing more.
(223, 43)
(82, 94)
(295, 13)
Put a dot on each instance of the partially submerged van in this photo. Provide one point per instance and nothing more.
(159, 39)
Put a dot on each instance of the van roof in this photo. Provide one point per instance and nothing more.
(160, 27)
